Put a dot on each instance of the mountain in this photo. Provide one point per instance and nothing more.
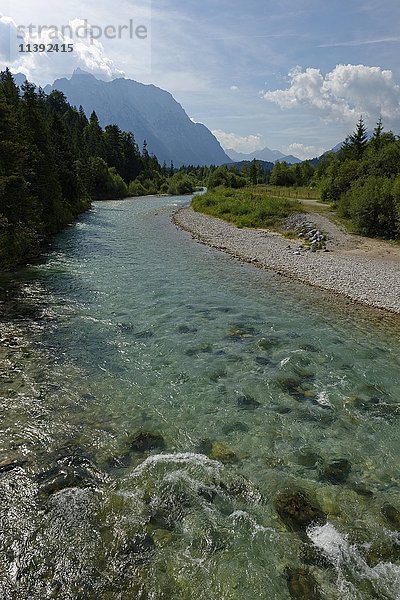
(266, 154)
(337, 147)
(19, 79)
(151, 113)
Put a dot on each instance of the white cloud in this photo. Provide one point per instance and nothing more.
(302, 151)
(342, 94)
(246, 144)
(234, 88)
(44, 67)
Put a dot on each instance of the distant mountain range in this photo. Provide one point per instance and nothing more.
(264, 165)
(151, 113)
(266, 154)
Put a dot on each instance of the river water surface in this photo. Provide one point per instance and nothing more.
(158, 398)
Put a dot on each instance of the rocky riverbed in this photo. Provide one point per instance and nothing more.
(371, 280)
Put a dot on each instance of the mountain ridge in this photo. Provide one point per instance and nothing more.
(266, 154)
(152, 114)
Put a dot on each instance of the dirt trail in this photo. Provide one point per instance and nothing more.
(342, 242)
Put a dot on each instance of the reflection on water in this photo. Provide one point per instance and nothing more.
(178, 425)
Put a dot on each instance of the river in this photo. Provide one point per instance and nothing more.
(159, 397)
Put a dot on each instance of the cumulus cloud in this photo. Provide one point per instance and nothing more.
(234, 88)
(302, 151)
(344, 93)
(44, 67)
(246, 144)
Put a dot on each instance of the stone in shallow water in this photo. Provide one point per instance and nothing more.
(222, 453)
(269, 343)
(382, 552)
(237, 427)
(308, 348)
(262, 360)
(362, 490)
(168, 510)
(241, 332)
(302, 585)
(163, 537)
(311, 555)
(392, 515)
(337, 471)
(140, 547)
(8, 464)
(247, 403)
(298, 511)
(185, 329)
(202, 349)
(207, 493)
(205, 446)
(88, 398)
(144, 441)
(308, 459)
(291, 386)
(70, 472)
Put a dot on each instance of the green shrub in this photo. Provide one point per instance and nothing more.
(371, 205)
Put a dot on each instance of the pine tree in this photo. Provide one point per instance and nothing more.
(359, 139)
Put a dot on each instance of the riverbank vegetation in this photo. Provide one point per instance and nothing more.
(248, 207)
(362, 181)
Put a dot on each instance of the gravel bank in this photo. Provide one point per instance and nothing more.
(371, 281)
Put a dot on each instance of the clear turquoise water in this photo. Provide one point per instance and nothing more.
(129, 325)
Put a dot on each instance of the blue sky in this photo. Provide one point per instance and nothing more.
(293, 75)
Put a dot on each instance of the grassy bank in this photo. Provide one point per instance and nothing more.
(247, 207)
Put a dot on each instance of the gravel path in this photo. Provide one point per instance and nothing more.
(371, 281)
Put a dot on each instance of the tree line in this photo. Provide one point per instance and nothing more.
(362, 180)
(54, 161)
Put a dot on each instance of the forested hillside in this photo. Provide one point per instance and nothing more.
(54, 161)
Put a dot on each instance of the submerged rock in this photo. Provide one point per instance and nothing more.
(302, 585)
(248, 403)
(308, 348)
(336, 472)
(237, 427)
(222, 453)
(8, 464)
(88, 398)
(140, 547)
(163, 537)
(186, 329)
(202, 349)
(362, 490)
(298, 512)
(144, 441)
(70, 472)
(314, 556)
(167, 512)
(308, 459)
(392, 515)
(241, 332)
(269, 343)
(291, 386)
(263, 360)
(205, 446)
(382, 552)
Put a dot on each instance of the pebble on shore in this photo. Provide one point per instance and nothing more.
(371, 281)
